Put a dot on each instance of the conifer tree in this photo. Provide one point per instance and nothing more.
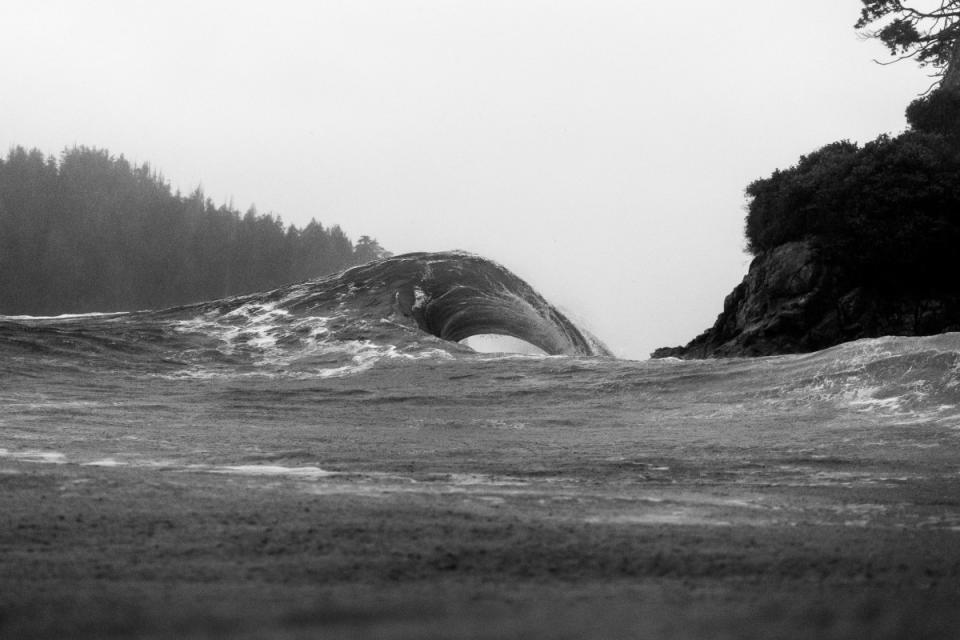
(92, 232)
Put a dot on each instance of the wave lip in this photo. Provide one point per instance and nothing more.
(448, 295)
(458, 295)
(413, 306)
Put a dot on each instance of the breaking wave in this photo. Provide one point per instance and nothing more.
(895, 376)
(416, 309)
(408, 307)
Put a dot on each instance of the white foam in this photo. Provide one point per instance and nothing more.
(33, 455)
(254, 331)
(273, 470)
(864, 398)
(271, 341)
(65, 404)
(105, 462)
(249, 325)
(420, 298)
(67, 316)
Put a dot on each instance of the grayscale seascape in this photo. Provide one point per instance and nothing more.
(499, 320)
(231, 470)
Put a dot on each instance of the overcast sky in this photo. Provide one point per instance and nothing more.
(597, 149)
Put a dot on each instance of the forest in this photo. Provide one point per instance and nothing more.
(92, 232)
(887, 212)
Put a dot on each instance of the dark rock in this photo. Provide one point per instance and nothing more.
(792, 301)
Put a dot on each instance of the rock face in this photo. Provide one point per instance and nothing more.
(792, 302)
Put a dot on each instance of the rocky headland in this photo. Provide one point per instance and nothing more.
(794, 301)
(852, 242)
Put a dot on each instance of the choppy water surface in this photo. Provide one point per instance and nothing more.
(255, 392)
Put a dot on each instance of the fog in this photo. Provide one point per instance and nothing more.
(597, 149)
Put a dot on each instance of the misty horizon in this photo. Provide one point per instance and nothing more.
(582, 146)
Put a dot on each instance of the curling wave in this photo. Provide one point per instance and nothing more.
(411, 306)
(450, 296)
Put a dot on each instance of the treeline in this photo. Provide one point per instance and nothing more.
(888, 212)
(92, 232)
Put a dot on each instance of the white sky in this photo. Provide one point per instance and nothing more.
(599, 149)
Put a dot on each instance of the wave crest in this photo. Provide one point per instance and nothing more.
(410, 306)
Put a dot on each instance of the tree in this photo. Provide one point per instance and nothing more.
(887, 213)
(93, 232)
(368, 249)
(927, 31)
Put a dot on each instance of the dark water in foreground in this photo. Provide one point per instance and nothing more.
(246, 470)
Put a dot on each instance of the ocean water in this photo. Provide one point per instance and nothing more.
(258, 387)
(309, 462)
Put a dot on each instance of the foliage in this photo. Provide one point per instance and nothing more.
(928, 32)
(938, 112)
(94, 233)
(889, 211)
(368, 249)
(790, 204)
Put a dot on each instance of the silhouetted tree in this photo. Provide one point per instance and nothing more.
(923, 31)
(888, 212)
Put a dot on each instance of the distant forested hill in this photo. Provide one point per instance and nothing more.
(91, 232)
